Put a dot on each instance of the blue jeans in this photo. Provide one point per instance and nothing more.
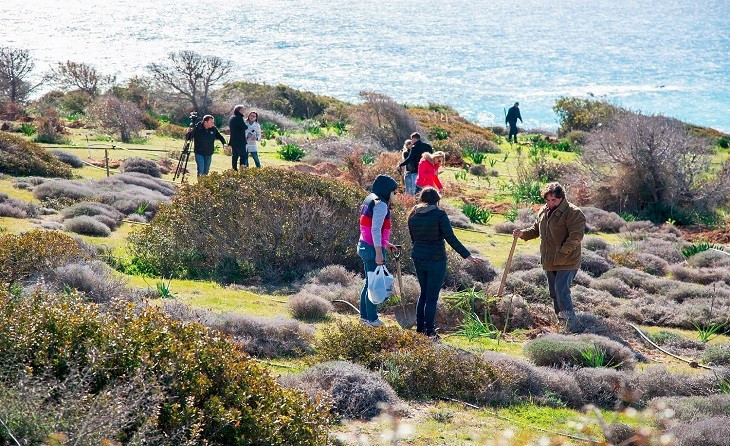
(254, 155)
(203, 163)
(431, 275)
(409, 179)
(559, 286)
(368, 310)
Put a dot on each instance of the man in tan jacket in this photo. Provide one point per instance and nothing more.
(560, 226)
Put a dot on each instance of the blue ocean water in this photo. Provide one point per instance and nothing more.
(658, 56)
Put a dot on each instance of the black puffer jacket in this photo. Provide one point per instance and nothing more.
(429, 226)
(204, 139)
(238, 131)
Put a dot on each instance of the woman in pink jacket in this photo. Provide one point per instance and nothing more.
(428, 170)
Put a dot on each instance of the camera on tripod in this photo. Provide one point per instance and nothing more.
(182, 163)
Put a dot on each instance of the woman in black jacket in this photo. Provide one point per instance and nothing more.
(429, 226)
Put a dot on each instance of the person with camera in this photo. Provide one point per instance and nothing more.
(204, 135)
(237, 140)
(253, 134)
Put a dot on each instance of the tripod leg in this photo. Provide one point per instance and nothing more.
(185, 168)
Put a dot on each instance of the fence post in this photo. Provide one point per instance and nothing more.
(106, 160)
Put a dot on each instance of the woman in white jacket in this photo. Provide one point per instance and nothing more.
(253, 134)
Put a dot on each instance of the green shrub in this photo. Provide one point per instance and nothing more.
(696, 248)
(294, 222)
(171, 130)
(281, 98)
(477, 214)
(412, 364)
(25, 158)
(291, 152)
(24, 255)
(205, 380)
(28, 129)
(581, 114)
(559, 350)
(723, 142)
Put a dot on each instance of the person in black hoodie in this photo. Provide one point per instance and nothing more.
(414, 156)
(204, 135)
(511, 119)
(237, 141)
(429, 226)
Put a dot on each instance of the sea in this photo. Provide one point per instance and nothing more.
(666, 57)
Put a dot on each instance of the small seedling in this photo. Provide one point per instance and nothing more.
(492, 162)
(708, 332)
(142, 208)
(461, 175)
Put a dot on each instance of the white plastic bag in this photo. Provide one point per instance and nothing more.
(380, 284)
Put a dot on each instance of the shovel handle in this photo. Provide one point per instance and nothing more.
(507, 267)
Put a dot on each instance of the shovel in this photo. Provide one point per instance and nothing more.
(405, 318)
(502, 284)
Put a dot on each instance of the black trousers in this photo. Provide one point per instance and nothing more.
(236, 154)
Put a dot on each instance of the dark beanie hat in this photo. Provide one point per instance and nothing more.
(383, 186)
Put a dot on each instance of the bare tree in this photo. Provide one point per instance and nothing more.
(112, 114)
(191, 75)
(15, 67)
(645, 163)
(384, 120)
(81, 76)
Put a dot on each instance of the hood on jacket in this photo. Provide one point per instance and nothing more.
(424, 208)
(383, 186)
(428, 157)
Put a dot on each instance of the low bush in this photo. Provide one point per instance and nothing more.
(691, 408)
(285, 238)
(594, 264)
(15, 208)
(703, 276)
(353, 391)
(24, 255)
(141, 165)
(479, 170)
(559, 350)
(593, 243)
(637, 279)
(258, 336)
(171, 130)
(87, 226)
(457, 217)
(91, 209)
(24, 158)
(713, 431)
(506, 227)
(522, 262)
(652, 264)
(666, 250)
(687, 291)
(369, 118)
(203, 380)
(462, 274)
(73, 190)
(709, 259)
(535, 276)
(309, 307)
(640, 226)
(614, 286)
(68, 158)
(94, 279)
(598, 220)
(718, 354)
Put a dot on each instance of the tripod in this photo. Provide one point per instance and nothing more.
(182, 163)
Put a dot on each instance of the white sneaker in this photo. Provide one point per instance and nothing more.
(364, 322)
(376, 323)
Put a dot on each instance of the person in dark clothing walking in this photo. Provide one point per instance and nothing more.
(511, 119)
(237, 141)
(429, 226)
(414, 156)
(204, 135)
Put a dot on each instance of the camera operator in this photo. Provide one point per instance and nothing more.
(237, 141)
(204, 135)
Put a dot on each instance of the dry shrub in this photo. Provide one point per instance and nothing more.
(598, 220)
(522, 262)
(661, 248)
(709, 259)
(353, 391)
(713, 431)
(703, 276)
(559, 350)
(112, 114)
(456, 217)
(25, 158)
(141, 165)
(718, 354)
(87, 226)
(24, 255)
(692, 408)
(333, 149)
(535, 276)
(479, 170)
(73, 190)
(309, 307)
(614, 286)
(171, 130)
(653, 164)
(462, 274)
(258, 336)
(68, 158)
(92, 208)
(383, 120)
(593, 243)
(94, 279)
(364, 174)
(659, 382)
(15, 208)
(507, 227)
(594, 264)
(602, 387)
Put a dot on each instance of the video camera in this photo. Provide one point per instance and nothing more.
(182, 163)
(194, 119)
